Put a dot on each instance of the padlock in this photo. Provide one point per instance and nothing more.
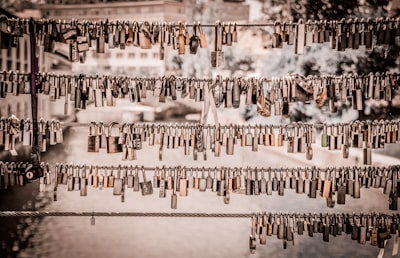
(83, 181)
(174, 197)
(183, 183)
(144, 36)
(217, 58)
(93, 139)
(367, 156)
(202, 36)
(118, 183)
(194, 43)
(112, 141)
(341, 194)
(146, 186)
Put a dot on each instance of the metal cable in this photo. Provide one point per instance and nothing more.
(217, 78)
(180, 214)
(266, 24)
(119, 214)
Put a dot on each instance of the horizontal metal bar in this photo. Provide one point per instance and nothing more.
(119, 214)
(177, 214)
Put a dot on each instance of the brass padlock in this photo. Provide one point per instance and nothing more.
(129, 38)
(181, 39)
(112, 141)
(111, 178)
(202, 37)
(183, 183)
(93, 139)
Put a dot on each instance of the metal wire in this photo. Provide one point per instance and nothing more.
(218, 77)
(187, 24)
(177, 214)
(77, 124)
(291, 125)
(222, 126)
(119, 214)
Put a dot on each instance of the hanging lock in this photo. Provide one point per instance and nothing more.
(202, 36)
(194, 41)
(83, 180)
(93, 139)
(146, 186)
(217, 56)
(145, 36)
(183, 183)
(181, 39)
(112, 141)
(122, 135)
(162, 186)
(174, 197)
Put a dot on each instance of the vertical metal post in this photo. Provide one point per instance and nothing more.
(35, 158)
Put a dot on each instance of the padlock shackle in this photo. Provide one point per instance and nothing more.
(110, 127)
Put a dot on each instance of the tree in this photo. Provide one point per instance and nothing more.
(319, 59)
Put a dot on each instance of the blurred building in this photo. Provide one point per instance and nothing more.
(19, 59)
(132, 60)
(16, 58)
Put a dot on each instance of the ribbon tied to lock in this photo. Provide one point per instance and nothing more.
(209, 102)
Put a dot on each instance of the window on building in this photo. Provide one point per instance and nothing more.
(120, 55)
(131, 55)
(143, 55)
(26, 48)
(155, 55)
(107, 55)
(9, 65)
